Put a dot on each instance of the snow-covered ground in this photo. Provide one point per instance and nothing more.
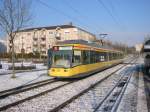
(6, 82)
(5, 66)
(140, 60)
(134, 99)
(52, 99)
(129, 100)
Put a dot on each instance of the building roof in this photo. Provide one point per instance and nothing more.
(47, 27)
(53, 27)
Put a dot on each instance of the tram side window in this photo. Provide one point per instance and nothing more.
(92, 57)
(117, 56)
(110, 57)
(77, 60)
(86, 57)
(114, 56)
(102, 56)
(105, 56)
(120, 55)
(96, 57)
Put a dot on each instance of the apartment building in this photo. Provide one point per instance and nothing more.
(40, 39)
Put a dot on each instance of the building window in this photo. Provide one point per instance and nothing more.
(51, 33)
(28, 34)
(67, 32)
(75, 30)
(43, 39)
(35, 38)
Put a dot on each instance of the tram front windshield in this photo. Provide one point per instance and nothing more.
(62, 58)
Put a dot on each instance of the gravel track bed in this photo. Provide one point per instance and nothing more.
(88, 101)
(142, 103)
(52, 99)
(16, 97)
(129, 100)
(147, 90)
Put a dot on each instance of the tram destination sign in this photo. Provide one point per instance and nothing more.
(56, 48)
(65, 48)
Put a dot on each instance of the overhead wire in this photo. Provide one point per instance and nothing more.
(114, 12)
(110, 13)
(63, 13)
(82, 16)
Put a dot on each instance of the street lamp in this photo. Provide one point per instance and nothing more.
(102, 36)
(22, 52)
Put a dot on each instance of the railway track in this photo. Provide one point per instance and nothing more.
(122, 83)
(32, 96)
(25, 87)
(21, 89)
(5, 95)
(111, 101)
(147, 89)
(22, 71)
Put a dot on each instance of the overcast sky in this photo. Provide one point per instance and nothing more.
(125, 21)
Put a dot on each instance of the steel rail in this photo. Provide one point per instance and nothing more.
(34, 96)
(50, 90)
(31, 97)
(116, 104)
(21, 71)
(64, 104)
(59, 107)
(22, 88)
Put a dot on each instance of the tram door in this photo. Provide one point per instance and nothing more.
(49, 63)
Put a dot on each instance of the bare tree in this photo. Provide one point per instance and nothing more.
(14, 15)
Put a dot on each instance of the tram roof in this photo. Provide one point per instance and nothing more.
(86, 43)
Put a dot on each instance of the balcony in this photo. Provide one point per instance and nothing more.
(43, 38)
(43, 49)
(35, 49)
(58, 38)
(43, 43)
(35, 38)
(35, 43)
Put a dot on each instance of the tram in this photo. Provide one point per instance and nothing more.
(75, 59)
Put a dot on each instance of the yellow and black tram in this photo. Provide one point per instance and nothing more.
(73, 60)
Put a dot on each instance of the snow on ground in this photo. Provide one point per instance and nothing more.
(140, 60)
(142, 102)
(52, 99)
(6, 82)
(130, 100)
(5, 66)
(90, 100)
